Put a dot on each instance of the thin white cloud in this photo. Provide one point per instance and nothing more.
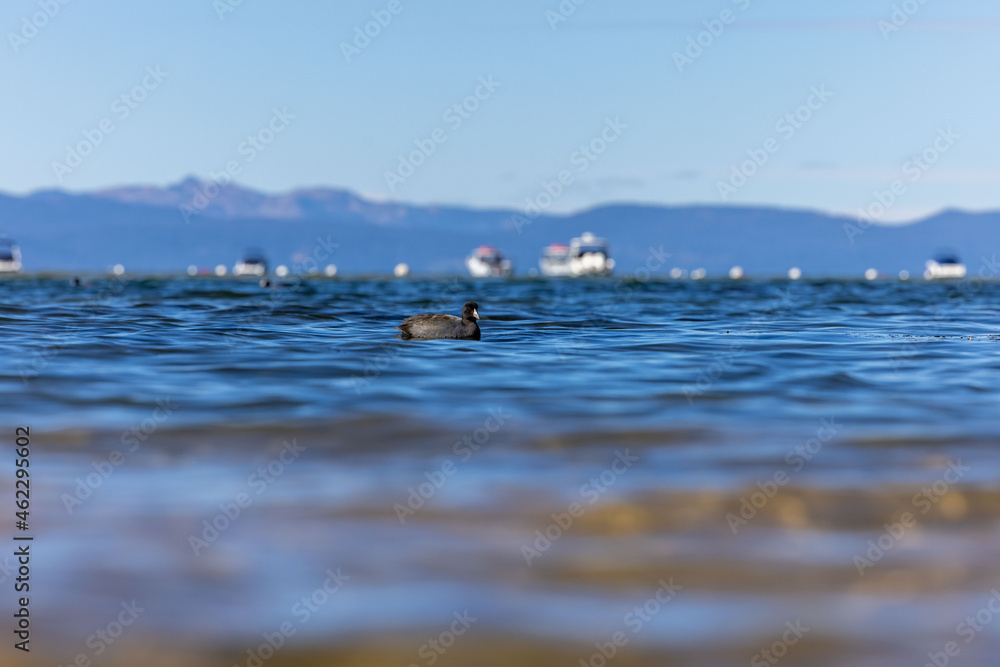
(797, 25)
(961, 175)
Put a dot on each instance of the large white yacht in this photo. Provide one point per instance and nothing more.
(486, 261)
(10, 256)
(944, 266)
(586, 255)
(254, 263)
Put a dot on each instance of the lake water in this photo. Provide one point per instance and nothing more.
(663, 472)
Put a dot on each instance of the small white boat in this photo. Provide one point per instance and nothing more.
(586, 255)
(555, 261)
(486, 261)
(253, 264)
(10, 256)
(943, 267)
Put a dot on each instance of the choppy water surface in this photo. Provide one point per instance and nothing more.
(693, 465)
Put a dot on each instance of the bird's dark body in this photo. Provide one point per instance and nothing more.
(434, 326)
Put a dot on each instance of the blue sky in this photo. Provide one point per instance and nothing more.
(890, 95)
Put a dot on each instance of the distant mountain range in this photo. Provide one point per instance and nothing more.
(152, 229)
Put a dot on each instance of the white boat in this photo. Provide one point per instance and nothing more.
(943, 267)
(555, 261)
(253, 264)
(10, 256)
(590, 256)
(487, 261)
(586, 255)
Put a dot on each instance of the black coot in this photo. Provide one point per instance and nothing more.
(431, 327)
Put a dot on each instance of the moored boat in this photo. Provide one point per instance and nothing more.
(10, 256)
(555, 261)
(487, 261)
(254, 263)
(945, 266)
(590, 256)
(586, 255)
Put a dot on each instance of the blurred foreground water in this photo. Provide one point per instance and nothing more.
(620, 472)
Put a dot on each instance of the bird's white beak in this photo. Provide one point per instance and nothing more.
(475, 313)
